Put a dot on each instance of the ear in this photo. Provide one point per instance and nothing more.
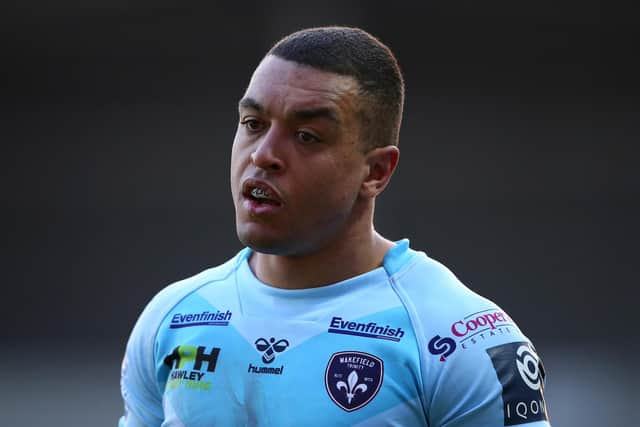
(381, 164)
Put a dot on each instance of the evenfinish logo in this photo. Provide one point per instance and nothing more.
(206, 318)
(367, 330)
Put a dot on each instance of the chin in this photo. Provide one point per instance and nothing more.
(267, 247)
(260, 243)
(271, 245)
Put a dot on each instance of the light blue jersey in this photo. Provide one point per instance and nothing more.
(403, 345)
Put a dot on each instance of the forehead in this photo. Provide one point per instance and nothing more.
(281, 85)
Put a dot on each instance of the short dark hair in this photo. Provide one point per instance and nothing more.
(356, 53)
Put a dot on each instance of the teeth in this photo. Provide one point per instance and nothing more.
(259, 193)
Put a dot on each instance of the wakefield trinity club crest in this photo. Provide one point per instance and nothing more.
(353, 378)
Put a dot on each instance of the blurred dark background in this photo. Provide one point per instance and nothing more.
(519, 149)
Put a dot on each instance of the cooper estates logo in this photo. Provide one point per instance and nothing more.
(269, 349)
(472, 329)
(353, 379)
(442, 347)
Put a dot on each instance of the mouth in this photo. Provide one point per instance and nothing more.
(260, 193)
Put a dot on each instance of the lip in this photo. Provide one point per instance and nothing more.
(251, 183)
(252, 205)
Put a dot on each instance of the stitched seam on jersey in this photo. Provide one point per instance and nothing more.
(188, 293)
(419, 333)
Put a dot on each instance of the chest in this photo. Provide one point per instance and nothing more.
(235, 371)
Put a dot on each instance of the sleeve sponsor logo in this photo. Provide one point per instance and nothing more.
(367, 330)
(472, 329)
(528, 364)
(521, 374)
(442, 346)
(353, 379)
(479, 322)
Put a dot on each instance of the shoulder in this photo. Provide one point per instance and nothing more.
(162, 303)
(435, 294)
(139, 387)
(478, 367)
(448, 316)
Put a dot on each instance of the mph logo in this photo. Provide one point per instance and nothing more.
(470, 330)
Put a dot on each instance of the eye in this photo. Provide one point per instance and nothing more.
(251, 124)
(306, 137)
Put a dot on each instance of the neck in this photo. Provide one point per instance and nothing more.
(349, 257)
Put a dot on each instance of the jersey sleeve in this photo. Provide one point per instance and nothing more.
(478, 369)
(142, 369)
(501, 385)
(138, 384)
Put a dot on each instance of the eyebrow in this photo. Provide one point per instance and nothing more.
(307, 114)
(250, 103)
(322, 113)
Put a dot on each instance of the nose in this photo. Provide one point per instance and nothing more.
(267, 154)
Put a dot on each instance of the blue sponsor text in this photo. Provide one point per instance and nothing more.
(206, 318)
(368, 330)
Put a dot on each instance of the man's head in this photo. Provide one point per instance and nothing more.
(355, 53)
(310, 154)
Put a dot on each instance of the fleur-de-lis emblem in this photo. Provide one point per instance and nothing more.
(352, 387)
(353, 378)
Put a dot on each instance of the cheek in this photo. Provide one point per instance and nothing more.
(235, 175)
(338, 187)
(235, 150)
(238, 158)
(347, 177)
